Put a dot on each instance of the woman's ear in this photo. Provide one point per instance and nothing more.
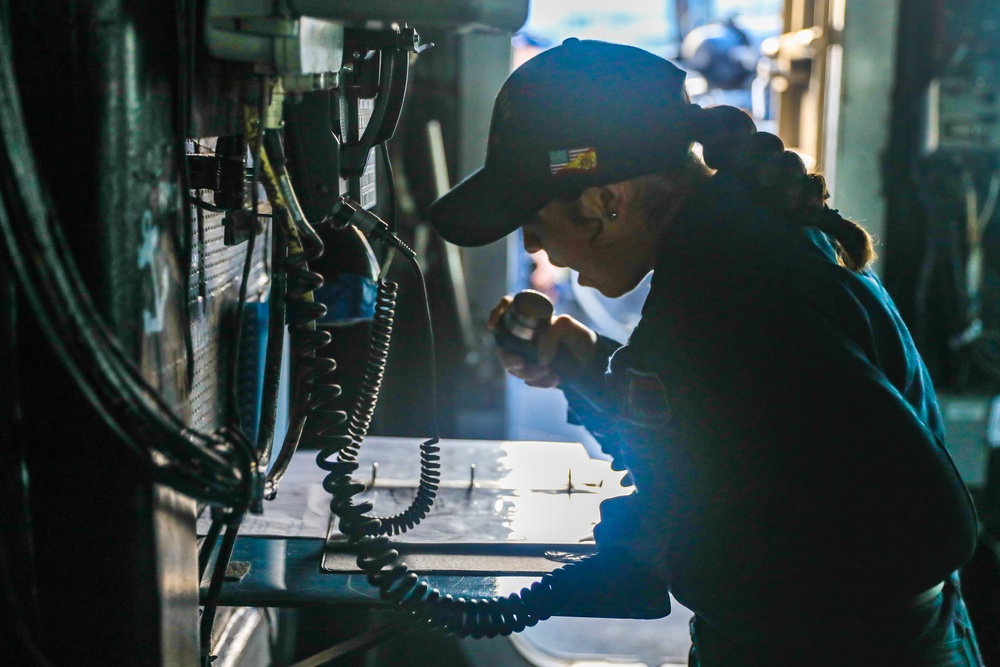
(606, 202)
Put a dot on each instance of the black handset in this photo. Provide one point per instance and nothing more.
(524, 321)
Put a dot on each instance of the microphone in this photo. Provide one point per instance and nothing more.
(527, 317)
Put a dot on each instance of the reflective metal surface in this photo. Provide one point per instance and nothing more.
(522, 500)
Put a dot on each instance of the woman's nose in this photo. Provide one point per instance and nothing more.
(532, 242)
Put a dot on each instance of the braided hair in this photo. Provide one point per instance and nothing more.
(731, 144)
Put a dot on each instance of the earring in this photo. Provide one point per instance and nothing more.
(614, 215)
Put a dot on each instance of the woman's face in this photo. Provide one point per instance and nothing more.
(612, 255)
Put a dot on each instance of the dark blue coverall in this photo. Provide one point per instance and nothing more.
(787, 450)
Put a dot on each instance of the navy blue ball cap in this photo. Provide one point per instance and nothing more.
(581, 114)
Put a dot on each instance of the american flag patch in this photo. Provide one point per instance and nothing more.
(572, 161)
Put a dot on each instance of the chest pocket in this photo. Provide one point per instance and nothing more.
(646, 401)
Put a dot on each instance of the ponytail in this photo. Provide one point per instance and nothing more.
(731, 144)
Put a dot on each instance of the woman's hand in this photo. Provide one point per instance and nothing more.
(564, 333)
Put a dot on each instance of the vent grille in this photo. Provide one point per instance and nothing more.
(213, 291)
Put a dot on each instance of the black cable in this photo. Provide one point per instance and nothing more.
(241, 301)
(312, 418)
(120, 379)
(273, 355)
(347, 447)
(391, 177)
(483, 617)
(211, 604)
(213, 468)
(304, 246)
(234, 357)
(208, 546)
(432, 351)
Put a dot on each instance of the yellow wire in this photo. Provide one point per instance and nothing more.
(251, 129)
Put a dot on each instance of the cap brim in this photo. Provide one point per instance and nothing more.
(481, 210)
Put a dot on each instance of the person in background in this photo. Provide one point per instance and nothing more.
(792, 484)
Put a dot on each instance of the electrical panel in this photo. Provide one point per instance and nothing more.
(962, 115)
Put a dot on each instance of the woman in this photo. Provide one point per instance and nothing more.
(779, 425)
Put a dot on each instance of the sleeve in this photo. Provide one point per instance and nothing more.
(587, 391)
(592, 405)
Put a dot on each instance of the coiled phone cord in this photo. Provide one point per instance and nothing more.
(383, 568)
(313, 419)
(378, 353)
(347, 447)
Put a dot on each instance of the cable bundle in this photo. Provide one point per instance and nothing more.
(217, 468)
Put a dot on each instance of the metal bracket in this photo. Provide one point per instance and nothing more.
(225, 175)
(253, 32)
(359, 40)
(393, 48)
(313, 153)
